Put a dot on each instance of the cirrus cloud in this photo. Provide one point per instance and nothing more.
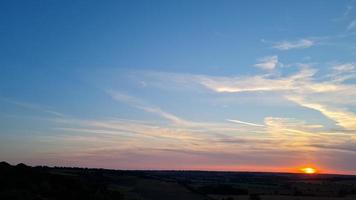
(268, 62)
(298, 44)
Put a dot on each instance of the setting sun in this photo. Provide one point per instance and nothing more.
(308, 170)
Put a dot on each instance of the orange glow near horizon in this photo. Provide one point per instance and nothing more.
(308, 170)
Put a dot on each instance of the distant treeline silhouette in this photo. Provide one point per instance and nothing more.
(23, 182)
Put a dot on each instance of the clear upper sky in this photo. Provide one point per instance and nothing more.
(211, 85)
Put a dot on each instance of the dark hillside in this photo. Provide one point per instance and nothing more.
(56, 183)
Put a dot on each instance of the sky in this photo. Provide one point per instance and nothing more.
(187, 85)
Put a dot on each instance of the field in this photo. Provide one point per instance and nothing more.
(24, 182)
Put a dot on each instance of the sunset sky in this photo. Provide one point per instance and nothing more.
(188, 84)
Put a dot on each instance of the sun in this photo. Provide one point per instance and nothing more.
(308, 170)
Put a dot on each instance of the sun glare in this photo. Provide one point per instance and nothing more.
(308, 170)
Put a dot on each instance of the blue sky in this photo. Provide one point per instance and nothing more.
(222, 85)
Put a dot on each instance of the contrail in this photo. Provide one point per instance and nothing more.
(242, 122)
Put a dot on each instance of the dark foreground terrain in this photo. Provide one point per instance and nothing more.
(24, 182)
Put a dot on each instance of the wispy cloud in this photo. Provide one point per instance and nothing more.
(176, 122)
(346, 14)
(298, 44)
(302, 88)
(352, 25)
(296, 125)
(33, 106)
(268, 63)
(345, 68)
(326, 92)
(347, 10)
(345, 146)
(343, 118)
(301, 80)
(119, 96)
(343, 72)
